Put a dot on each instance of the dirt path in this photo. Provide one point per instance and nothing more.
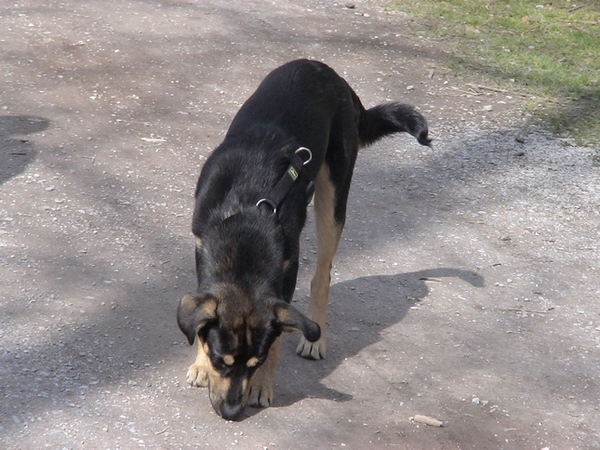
(466, 286)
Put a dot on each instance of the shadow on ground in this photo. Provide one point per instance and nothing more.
(364, 307)
(16, 150)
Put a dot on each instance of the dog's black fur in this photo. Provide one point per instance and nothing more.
(247, 254)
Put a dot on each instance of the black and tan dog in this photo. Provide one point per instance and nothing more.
(300, 131)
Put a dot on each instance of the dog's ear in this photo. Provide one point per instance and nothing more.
(194, 312)
(290, 319)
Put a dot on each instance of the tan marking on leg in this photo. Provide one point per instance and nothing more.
(197, 374)
(261, 386)
(328, 236)
(198, 241)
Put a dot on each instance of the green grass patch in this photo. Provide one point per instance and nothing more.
(548, 50)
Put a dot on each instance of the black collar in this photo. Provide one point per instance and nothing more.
(284, 185)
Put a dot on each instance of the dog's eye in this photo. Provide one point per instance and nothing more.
(218, 363)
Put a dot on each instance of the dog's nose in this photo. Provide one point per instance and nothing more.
(230, 412)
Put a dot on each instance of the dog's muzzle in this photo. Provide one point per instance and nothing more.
(230, 412)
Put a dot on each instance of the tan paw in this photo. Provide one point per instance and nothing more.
(197, 376)
(312, 350)
(260, 396)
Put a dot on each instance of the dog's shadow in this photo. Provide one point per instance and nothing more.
(359, 311)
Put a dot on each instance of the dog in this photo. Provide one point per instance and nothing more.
(298, 134)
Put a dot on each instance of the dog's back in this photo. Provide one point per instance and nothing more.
(305, 98)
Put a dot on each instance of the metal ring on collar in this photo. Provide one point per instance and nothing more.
(309, 154)
(268, 202)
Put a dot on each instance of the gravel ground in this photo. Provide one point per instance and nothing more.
(465, 287)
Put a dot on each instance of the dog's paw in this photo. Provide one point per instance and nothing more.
(311, 350)
(261, 395)
(197, 376)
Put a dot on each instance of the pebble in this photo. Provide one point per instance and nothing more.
(488, 108)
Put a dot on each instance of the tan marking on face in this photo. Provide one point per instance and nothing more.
(252, 362)
(219, 387)
(229, 360)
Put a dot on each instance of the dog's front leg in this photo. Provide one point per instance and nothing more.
(197, 374)
(261, 386)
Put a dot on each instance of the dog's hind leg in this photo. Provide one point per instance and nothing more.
(329, 230)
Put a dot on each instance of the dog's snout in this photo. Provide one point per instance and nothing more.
(230, 411)
(229, 406)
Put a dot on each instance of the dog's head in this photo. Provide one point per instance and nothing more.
(236, 337)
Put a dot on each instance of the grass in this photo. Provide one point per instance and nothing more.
(550, 51)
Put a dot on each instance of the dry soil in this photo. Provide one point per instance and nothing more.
(465, 288)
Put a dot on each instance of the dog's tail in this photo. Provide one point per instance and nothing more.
(389, 118)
